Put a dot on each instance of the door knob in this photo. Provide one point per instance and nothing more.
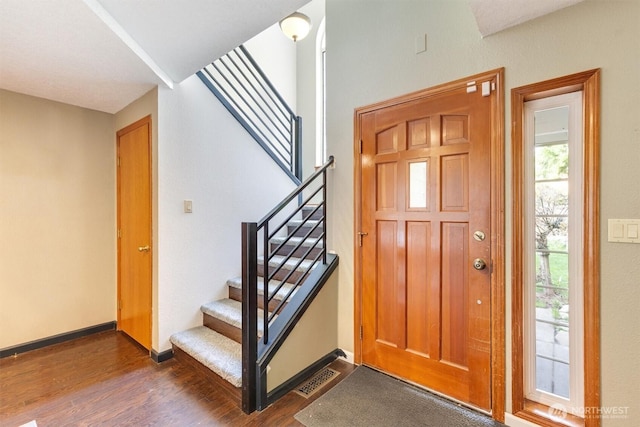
(479, 264)
(143, 248)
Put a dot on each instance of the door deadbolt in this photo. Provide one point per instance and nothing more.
(479, 235)
(479, 264)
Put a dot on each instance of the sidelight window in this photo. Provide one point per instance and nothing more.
(555, 293)
(321, 96)
(553, 251)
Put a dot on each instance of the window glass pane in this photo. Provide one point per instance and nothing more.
(552, 161)
(552, 328)
(551, 205)
(552, 198)
(552, 265)
(418, 185)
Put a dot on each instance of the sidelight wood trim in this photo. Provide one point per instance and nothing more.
(589, 83)
(498, 296)
(539, 414)
(357, 249)
(498, 392)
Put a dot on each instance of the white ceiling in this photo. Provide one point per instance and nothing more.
(493, 16)
(104, 54)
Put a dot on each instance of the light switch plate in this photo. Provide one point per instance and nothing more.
(624, 230)
(188, 206)
(421, 43)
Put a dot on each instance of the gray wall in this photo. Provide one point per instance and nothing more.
(370, 48)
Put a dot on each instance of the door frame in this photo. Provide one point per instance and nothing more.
(138, 123)
(497, 224)
(589, 83)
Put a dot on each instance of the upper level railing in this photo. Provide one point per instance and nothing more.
(243, 88)
(306, 257)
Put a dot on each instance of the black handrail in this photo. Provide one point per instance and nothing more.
(314, 209)
(294, 194)
(246, 92)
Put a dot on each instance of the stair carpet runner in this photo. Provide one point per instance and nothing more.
(217, 343)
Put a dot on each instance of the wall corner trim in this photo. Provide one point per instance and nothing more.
(162, 356)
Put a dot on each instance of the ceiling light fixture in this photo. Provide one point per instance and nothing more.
(296, 26)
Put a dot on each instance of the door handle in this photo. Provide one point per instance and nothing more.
(479, 264)
(143, 248)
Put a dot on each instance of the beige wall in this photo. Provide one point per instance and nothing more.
(313, 337)
(370, 56)
(57, 218)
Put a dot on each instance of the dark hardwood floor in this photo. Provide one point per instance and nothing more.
(108, 380)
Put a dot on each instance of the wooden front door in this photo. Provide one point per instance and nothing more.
(134, 231)
(425, 233)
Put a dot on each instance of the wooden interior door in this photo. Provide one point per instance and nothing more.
(134, 231)
(426, 222)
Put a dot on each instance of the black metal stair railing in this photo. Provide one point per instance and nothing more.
(307, 202)
(243, 88)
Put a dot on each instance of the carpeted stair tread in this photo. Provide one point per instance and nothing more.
(276, 260)
(309, 222)
(294, 241)
(229, 311)
(217, 352)
(236, 282)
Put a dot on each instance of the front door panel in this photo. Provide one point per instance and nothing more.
(425, 192)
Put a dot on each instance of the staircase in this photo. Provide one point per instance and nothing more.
(245, 91)
(240, 335)
(294, 253)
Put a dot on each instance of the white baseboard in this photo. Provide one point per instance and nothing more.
(513, 421)
(350, 357)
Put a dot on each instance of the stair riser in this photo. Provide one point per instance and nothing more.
(286, 250)
(304, 230)
(236, 294)
(306, 211)
(222, 327)
(280, 275)
(234, 393)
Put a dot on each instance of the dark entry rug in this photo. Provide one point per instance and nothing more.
(370, 398)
